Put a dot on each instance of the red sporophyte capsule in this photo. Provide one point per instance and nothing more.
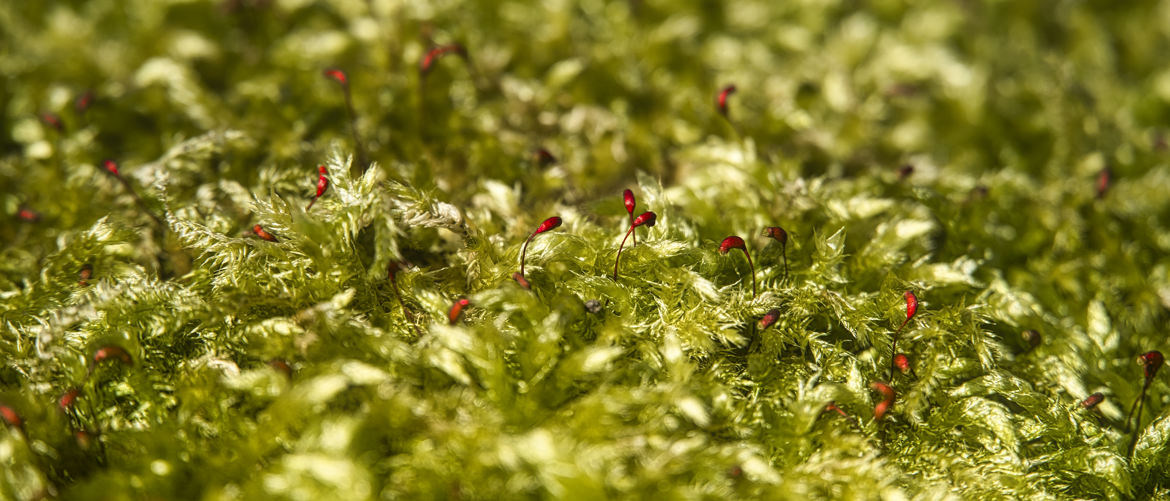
(911, 310)
(457, 310)
(721, 101)
(11, 417)
(734, 242)
(911, 305)
(631, 203)
(1151, 361)
(1091, 401)
(53, 120)
(68, 399)
(548, 224)
(778, 234)
(81, 104)
(887, 400)
(112, 352)
(902, 362)
(111, 167)
(1104, 179)
(28, 215)
(337, 76)
(85, 274)
(905, 171)
(832, 406)
(280, 366)
(769, 318)
(647, 219)
(322, 185)
(543, 157)
(433, 55)
(521, 281)
(264, 235)
(84, 439)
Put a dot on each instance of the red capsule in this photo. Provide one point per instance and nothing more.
(911, 305)
(281, 366)
(85, 274)
(769, 318)
(434, 54)
(1104, 180)
(28, 215)
(732, 242)
(1151, 361)
(68, 399)
(833, 407)
(10, 416)
(322, 185)
(81, 104)
(1032, 337)
(887, 400)
(111, 167)
(337, 76)
(1091, 401)
(628, 199)
(112, 352)
(548, 224)
(521, 281)
(646, 219)
(721, 101)
(53, 120)
(84, 439)
(905, 171)
(264, 235)
(457, 310)
(543, 157)
(776, 233)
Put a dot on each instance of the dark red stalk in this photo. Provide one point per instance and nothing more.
(631, 203)
(548, 224)
(911, 310)
(457, 310)
(322, 185)
(647, 219)
(1150, 361)
(778, 234)
(342, 79)
(734, 242)
(887, 402)
(721, 101)
(264, 235)
(111, 167)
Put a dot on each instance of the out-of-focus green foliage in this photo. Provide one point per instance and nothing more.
(659, 385)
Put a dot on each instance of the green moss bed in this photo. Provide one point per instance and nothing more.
(177, 323)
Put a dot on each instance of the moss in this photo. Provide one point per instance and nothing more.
(1006, 162)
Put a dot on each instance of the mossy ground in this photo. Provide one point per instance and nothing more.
(218, 115)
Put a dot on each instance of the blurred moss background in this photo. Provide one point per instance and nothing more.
(1007, 161)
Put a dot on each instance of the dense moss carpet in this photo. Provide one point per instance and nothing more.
(270, 249)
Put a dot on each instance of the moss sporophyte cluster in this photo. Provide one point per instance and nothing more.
(383, 249)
